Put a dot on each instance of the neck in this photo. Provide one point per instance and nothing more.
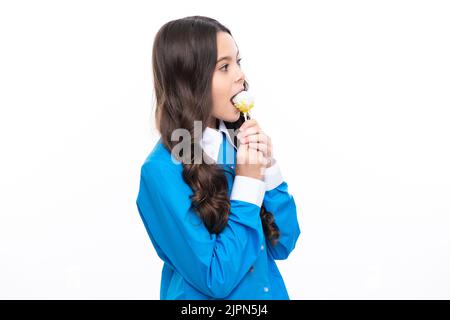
(212, 123)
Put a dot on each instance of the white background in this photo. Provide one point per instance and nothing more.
(355, 95)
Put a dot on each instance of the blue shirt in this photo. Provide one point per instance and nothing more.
(238, 263)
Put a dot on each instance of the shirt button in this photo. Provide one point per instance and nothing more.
(266, 289)
(251, 269)
(262, 247)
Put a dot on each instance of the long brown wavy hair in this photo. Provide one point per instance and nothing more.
(183, 59)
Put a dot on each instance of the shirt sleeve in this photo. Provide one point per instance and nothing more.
(213, 264)
(281, 204)
(273, 177)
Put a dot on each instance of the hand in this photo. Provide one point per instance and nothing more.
(250, 133)
(250, 162)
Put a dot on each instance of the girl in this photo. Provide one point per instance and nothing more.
(219, 212)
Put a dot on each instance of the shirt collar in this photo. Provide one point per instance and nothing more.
(212, 140)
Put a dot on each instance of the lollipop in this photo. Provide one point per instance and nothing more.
(244, 102)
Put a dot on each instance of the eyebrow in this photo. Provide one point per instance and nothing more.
(227, 57)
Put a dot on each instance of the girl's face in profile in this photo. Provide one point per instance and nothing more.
(228, 79)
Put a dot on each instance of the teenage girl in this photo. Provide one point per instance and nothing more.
(214, 205)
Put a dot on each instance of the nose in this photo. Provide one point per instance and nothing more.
(241, 76)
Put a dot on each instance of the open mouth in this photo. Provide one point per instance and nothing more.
(235, 96)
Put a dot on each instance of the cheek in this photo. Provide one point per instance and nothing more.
(220, 91)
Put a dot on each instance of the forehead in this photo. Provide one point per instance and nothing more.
(226, 45)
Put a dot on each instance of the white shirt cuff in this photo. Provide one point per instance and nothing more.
(248, 189)
(273, 177)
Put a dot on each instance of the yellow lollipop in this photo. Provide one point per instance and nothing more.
(244, 102)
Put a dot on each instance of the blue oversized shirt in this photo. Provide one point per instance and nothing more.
(238, 263)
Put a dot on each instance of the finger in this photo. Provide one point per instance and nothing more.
(259, 146)
(262, 160)
(247, 124)
(253, 156)
(256, 157)
(249, 131)
(269, 147)
(261, 139)
(258, 137)
(269, 153)
(242, 154)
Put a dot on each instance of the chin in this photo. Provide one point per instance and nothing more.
(233, 118)
(230, 117)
